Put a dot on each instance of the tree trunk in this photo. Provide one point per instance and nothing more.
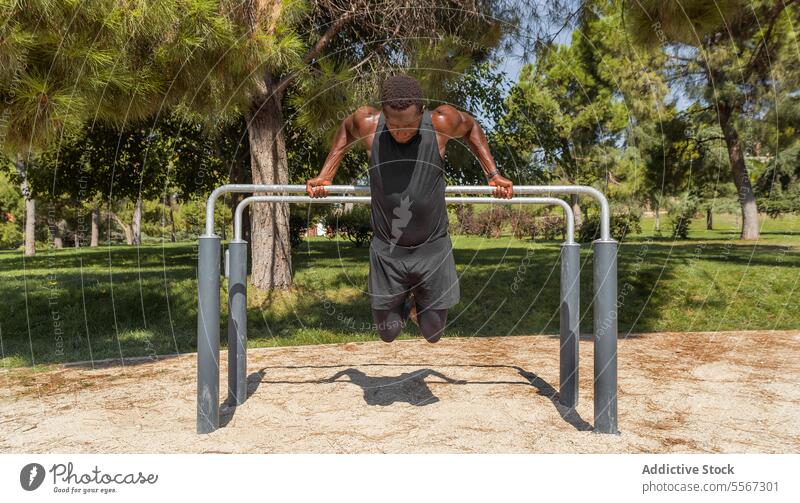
(709, 219)
(30, 226)
(657, 208)
(348, 207)
(163, 212)
(95, 227)
(576, 210)
(741, 177)
(137, 221)
(58, 234)
(125, 227)
(30, 207)
(271, 252)
(173, 200)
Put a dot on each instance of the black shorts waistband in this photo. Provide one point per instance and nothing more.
(426, 249)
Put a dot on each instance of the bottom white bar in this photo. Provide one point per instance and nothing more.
(389, 478)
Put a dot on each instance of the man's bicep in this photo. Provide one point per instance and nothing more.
(469, 125)
(357, 124)
(453, 123)
(346, 136)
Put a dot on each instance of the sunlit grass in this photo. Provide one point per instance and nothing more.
(112, 302)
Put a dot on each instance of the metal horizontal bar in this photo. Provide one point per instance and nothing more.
(237, 220)
(605, 212)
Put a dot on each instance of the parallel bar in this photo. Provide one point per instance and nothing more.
(237, 322)
(570, 324)
(605, 212)
(244, 203)
(208, 335)
(605, 290)
(605, 336)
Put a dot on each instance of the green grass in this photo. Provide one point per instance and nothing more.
(69, 305)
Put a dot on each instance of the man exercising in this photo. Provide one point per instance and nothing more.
(411, 265)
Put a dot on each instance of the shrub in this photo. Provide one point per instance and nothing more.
(550, 227)
(463, 221)
(490, 223)
(10, 234)
(622, 223)
(681, 216)
(523, 224)
(298, 224)
(779, 202)
(355, 225)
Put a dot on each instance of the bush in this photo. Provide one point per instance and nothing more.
(779, 202)
(10, 234)
(488, 223)
(355, 225)
(298, 224)
(464, 219)
(550, 227)
(523, 224)
(622, 224)
(681, 216)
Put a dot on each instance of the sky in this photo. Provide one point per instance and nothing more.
(512, 63)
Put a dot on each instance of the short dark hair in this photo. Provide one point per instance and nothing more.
(400, 92)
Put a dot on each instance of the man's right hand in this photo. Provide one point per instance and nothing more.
(315, 187)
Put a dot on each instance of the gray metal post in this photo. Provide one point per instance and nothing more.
(605, 293)
(605, 336)
(208, 334)
(570, 324)
(237, 322)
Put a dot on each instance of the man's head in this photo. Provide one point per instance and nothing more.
(401, 100)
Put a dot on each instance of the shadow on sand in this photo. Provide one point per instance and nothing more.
(407, 387)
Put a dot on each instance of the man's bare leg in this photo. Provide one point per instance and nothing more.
(431, 323)
(389, 322)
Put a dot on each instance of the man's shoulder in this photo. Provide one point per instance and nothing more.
(365, 117)
(446, 118)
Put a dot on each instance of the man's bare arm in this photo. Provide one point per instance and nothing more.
(342, 141)
(457, 124)
(345, 137)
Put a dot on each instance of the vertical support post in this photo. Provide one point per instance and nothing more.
(570, 324)
(237, 322)
(208, 334)
(605, 336)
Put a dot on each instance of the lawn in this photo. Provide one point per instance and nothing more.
(112, 301)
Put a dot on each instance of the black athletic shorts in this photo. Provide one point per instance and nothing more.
(428, 270)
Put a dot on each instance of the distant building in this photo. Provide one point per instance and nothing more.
(318, 230)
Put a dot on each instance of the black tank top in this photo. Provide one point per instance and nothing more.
(407, 187)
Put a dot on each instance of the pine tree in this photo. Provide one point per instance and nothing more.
(734, 58)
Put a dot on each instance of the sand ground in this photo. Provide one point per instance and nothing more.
(730, 392)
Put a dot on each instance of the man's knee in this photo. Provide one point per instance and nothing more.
(434, 338)
(388, 334)
(432, 323)
(387, 323)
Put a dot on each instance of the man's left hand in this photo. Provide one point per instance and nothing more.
(504, 187)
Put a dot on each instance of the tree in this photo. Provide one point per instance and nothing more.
(732, 57)
(574, 106)
(351, 46)
(64, 64)
(150, 159)
(11, 206)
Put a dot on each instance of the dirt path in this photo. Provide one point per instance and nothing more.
(678, 392)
